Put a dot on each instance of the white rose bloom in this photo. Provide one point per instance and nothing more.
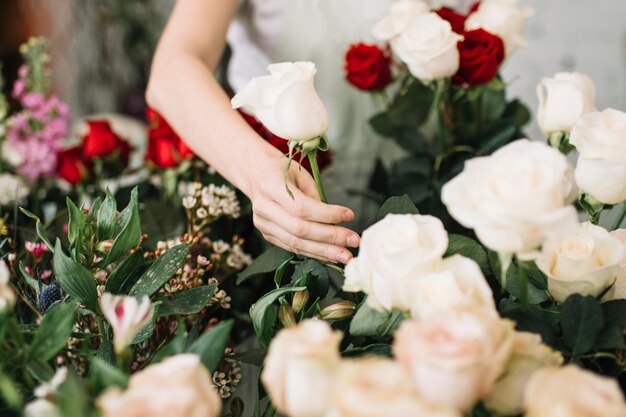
(573, 392)
(127, 317)
(516, 198)
(286, 101)
(503, 18)
(10, 154)
(395, 252)
(455, 358)
(529, 355)
(428, 46)
(301, 360)
(459, 284)
(563, 100)
(375, 387)
(7, 296)
(599, 137)
(180, 386)
(401, 13)
(41, 408)
(585, 261)
(620, 283)
(12, 190)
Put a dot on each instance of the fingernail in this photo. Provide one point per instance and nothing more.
(343, 257)
(348, 216)
(353, 241)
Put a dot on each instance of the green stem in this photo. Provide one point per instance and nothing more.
(442, 130)
(523, 285)
(620, 218)
(269, 411)
(316, 175)
(101, 328)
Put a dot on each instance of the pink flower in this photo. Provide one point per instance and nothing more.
(33, 101)
(19, 87)
(22, 71)
(37, 249)
(127, 317)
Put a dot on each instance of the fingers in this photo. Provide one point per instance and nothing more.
(306, 183)
(308, 208)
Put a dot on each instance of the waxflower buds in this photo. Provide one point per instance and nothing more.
(127, 317)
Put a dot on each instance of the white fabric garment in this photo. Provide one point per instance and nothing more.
(320, 31)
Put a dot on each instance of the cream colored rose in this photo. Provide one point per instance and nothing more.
(502, 18)
(395, 252)
(585, 261)
(180, 386)
(400, 15)
(7, 296)
(428, 46)
(455, 358)
(299, 366)
(599, 137)
(459, 284)
(516, 198)
(529, 355)
(375, 387)
(620, 283)
(286, 101)
(563, 100)
(573, 392)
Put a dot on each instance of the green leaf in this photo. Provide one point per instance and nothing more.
(160, 271)
(73, 397)
(106, 375)
(378, 349)
(611, 337)
(529, 321)
(76, 222)
(40, 369)
(75, 279)
(582, 321)
(106, 218)
(30, 280)
(105, 352)
(52, 334)
(253, 357)
(371, 323)
(268, 262)
(146, 331)
(128, 269)
(188, 302)
(463, 245)
(615, 312)
(535, 295)
(41, 231)
(381, 123)
(314, 276)
(278, 276)
(93, 211)
(263, 313)
(127, 231)
(210, 346)
(397, 205)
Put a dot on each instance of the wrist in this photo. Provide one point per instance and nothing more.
(256, 159)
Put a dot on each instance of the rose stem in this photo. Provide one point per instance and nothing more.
(316, 175)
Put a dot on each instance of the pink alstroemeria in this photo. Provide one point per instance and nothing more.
(127, 317)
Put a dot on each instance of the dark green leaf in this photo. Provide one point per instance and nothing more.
(76, 222)
(160, 271)
(188, 302)
(128, 268)
(146, 332)
(263, 313)
(75, 279)
(381, 123)
(615, 312)
(463, 245)
(611, 337)
(41, 231)
(252, 357)
(72, 396)
(106, 217)
(268, 262)
(105, 352)
(535, 295)
(371, 323)
(582, 321)
(278, 276)
(379, 349)
(530, 321)
(106, 375)
(40, 369)
(210, 346)
(53, 332)
(313, 275)
(30, 280)
(127, 231)
(397, 205)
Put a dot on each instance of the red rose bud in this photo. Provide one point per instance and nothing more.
(299, 300)
(72, 167)
(338, 311)
(165, 148)
(100, 140)
(481, 56)
(368, 67)
(286, 315)
(457, 20)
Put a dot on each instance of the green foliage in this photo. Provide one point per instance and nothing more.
(397, 205)
(264, 313)
(74, 279)
(106, 217)
(188, 302)
(127, 231)
(210, 346)
(160, 271)
(126, 273)
(268, 262)
(51, 336)
(582, 320)
(371, 323)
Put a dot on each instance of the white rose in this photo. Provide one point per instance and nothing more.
(563, 100)
(601, 169)
(180, 386)
(41, 408)
(301, 360)
(459, 284)
(455, 358)
(374, 387)
(7, 296)
(394, 253)
(502, 18)
(516, 198)
(428, 46)
(585, 261)
(286, 101)
(573, 392)
(620, 283)
(529, 355)
(401, 13)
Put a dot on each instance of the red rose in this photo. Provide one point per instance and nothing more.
(457, 20)
(72, 166)
(474, 7)
(100, 140)
(481, 56)
(368, 67)
(165, 148)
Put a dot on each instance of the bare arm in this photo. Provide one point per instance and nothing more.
(182, 88)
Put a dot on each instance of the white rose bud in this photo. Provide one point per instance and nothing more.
(573, 392)
(428, 47)
(585, 261)
(286, 101)
(180, 386)
(375, 387)
(504, 19)
(620, 283)
(563, 100)
(516, 198)
(601, 168)
(529, 355)
(127, 317)
(394, 253)
(7, 296)
(400, 15)
(301, 360)
(455, 358)
(459, 284)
